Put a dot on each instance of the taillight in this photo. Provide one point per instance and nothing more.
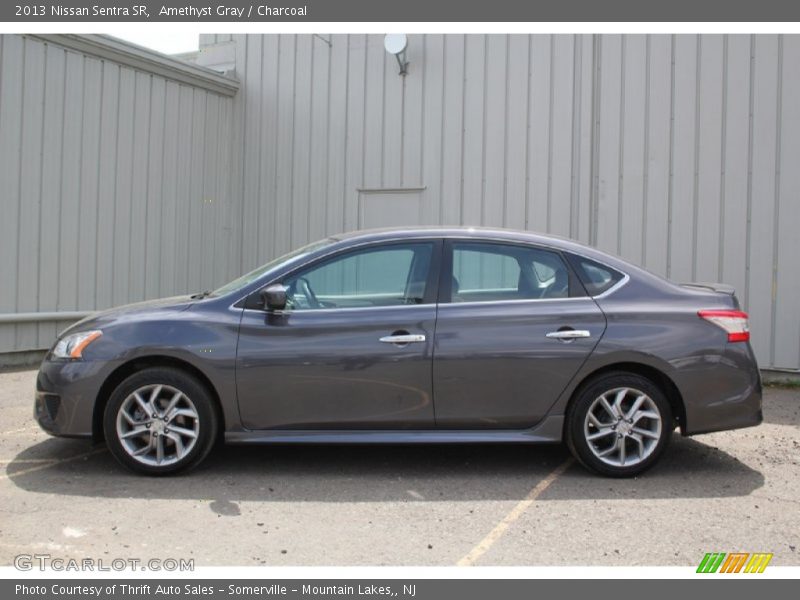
(733, 321)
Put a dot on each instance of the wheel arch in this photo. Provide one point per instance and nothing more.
(657, 376)
(138, 364)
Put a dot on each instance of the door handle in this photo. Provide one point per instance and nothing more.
(405, 338)
(569, 334)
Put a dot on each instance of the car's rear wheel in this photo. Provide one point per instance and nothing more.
(160, 421)
(619, 424)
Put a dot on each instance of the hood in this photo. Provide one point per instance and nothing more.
(98, 319)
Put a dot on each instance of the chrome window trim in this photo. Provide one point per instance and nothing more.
(515, 301)
(332, 309)
(423, 237)
(615, 287)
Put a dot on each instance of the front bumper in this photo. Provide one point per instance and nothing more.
(66, 392)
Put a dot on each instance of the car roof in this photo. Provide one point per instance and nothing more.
(469, 232)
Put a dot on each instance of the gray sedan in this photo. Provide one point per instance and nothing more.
(446, 335)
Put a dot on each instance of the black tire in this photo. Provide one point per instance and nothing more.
(575, 429)
(195, 392)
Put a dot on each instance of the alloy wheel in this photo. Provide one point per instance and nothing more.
(157, 425)
(622, 427)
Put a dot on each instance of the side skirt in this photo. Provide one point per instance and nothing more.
(548, 431)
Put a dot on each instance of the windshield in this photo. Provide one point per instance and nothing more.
(247, 278)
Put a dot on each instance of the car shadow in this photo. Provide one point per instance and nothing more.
(231, 474)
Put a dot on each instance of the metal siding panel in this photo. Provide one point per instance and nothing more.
(610, 114)
(684, 132)
(285, 141)
(634, 125)
(373, 113)
(495, 128)
(169, 206)
(139, 183)
(539, 133)
(155, 188)
(354, 177)
(301, 163)
(392, 114)
(584, 137)
(31, 175)
(11, 108)
(709, 160)
(517, 124)
(411, 143)
(225, 247)
(252, 106)
(338, 79)
(51, 186)
(318, 138)
(267, 150)
(762, 209)
(122, 189)
(474, 129)
(209, 202)
(235, 173)
(71, 157)
(230, 259)
(88, 220)
(107, 186)
(183, 195)
(195, 206)
(734, 218)
(453, 122)
(561, 167)
(431, 123)
(787, 316)
(659, 126)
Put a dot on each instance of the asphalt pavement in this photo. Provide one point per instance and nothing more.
(395, 505)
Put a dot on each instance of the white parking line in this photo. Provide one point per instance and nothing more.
(495, 534)
(51, 463)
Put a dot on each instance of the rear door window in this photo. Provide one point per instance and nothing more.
(489, 272)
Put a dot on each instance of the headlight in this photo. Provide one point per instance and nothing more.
(73, 345)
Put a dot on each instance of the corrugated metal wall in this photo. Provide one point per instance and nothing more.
(679, 153)
(114, 186)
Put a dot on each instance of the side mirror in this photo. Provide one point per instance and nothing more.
(274, 297)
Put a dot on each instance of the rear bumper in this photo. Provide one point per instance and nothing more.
(66, 392)
(727, 396)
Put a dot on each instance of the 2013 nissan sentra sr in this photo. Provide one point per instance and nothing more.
(438, 335)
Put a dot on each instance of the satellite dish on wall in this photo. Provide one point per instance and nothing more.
(396, 43)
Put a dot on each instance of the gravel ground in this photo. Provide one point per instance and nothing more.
(421, 505)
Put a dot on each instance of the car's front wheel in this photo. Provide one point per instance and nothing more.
(619, 424)
(160, 421)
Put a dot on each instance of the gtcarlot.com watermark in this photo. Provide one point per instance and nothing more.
(44, 562)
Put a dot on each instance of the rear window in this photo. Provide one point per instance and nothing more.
(596, 278)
